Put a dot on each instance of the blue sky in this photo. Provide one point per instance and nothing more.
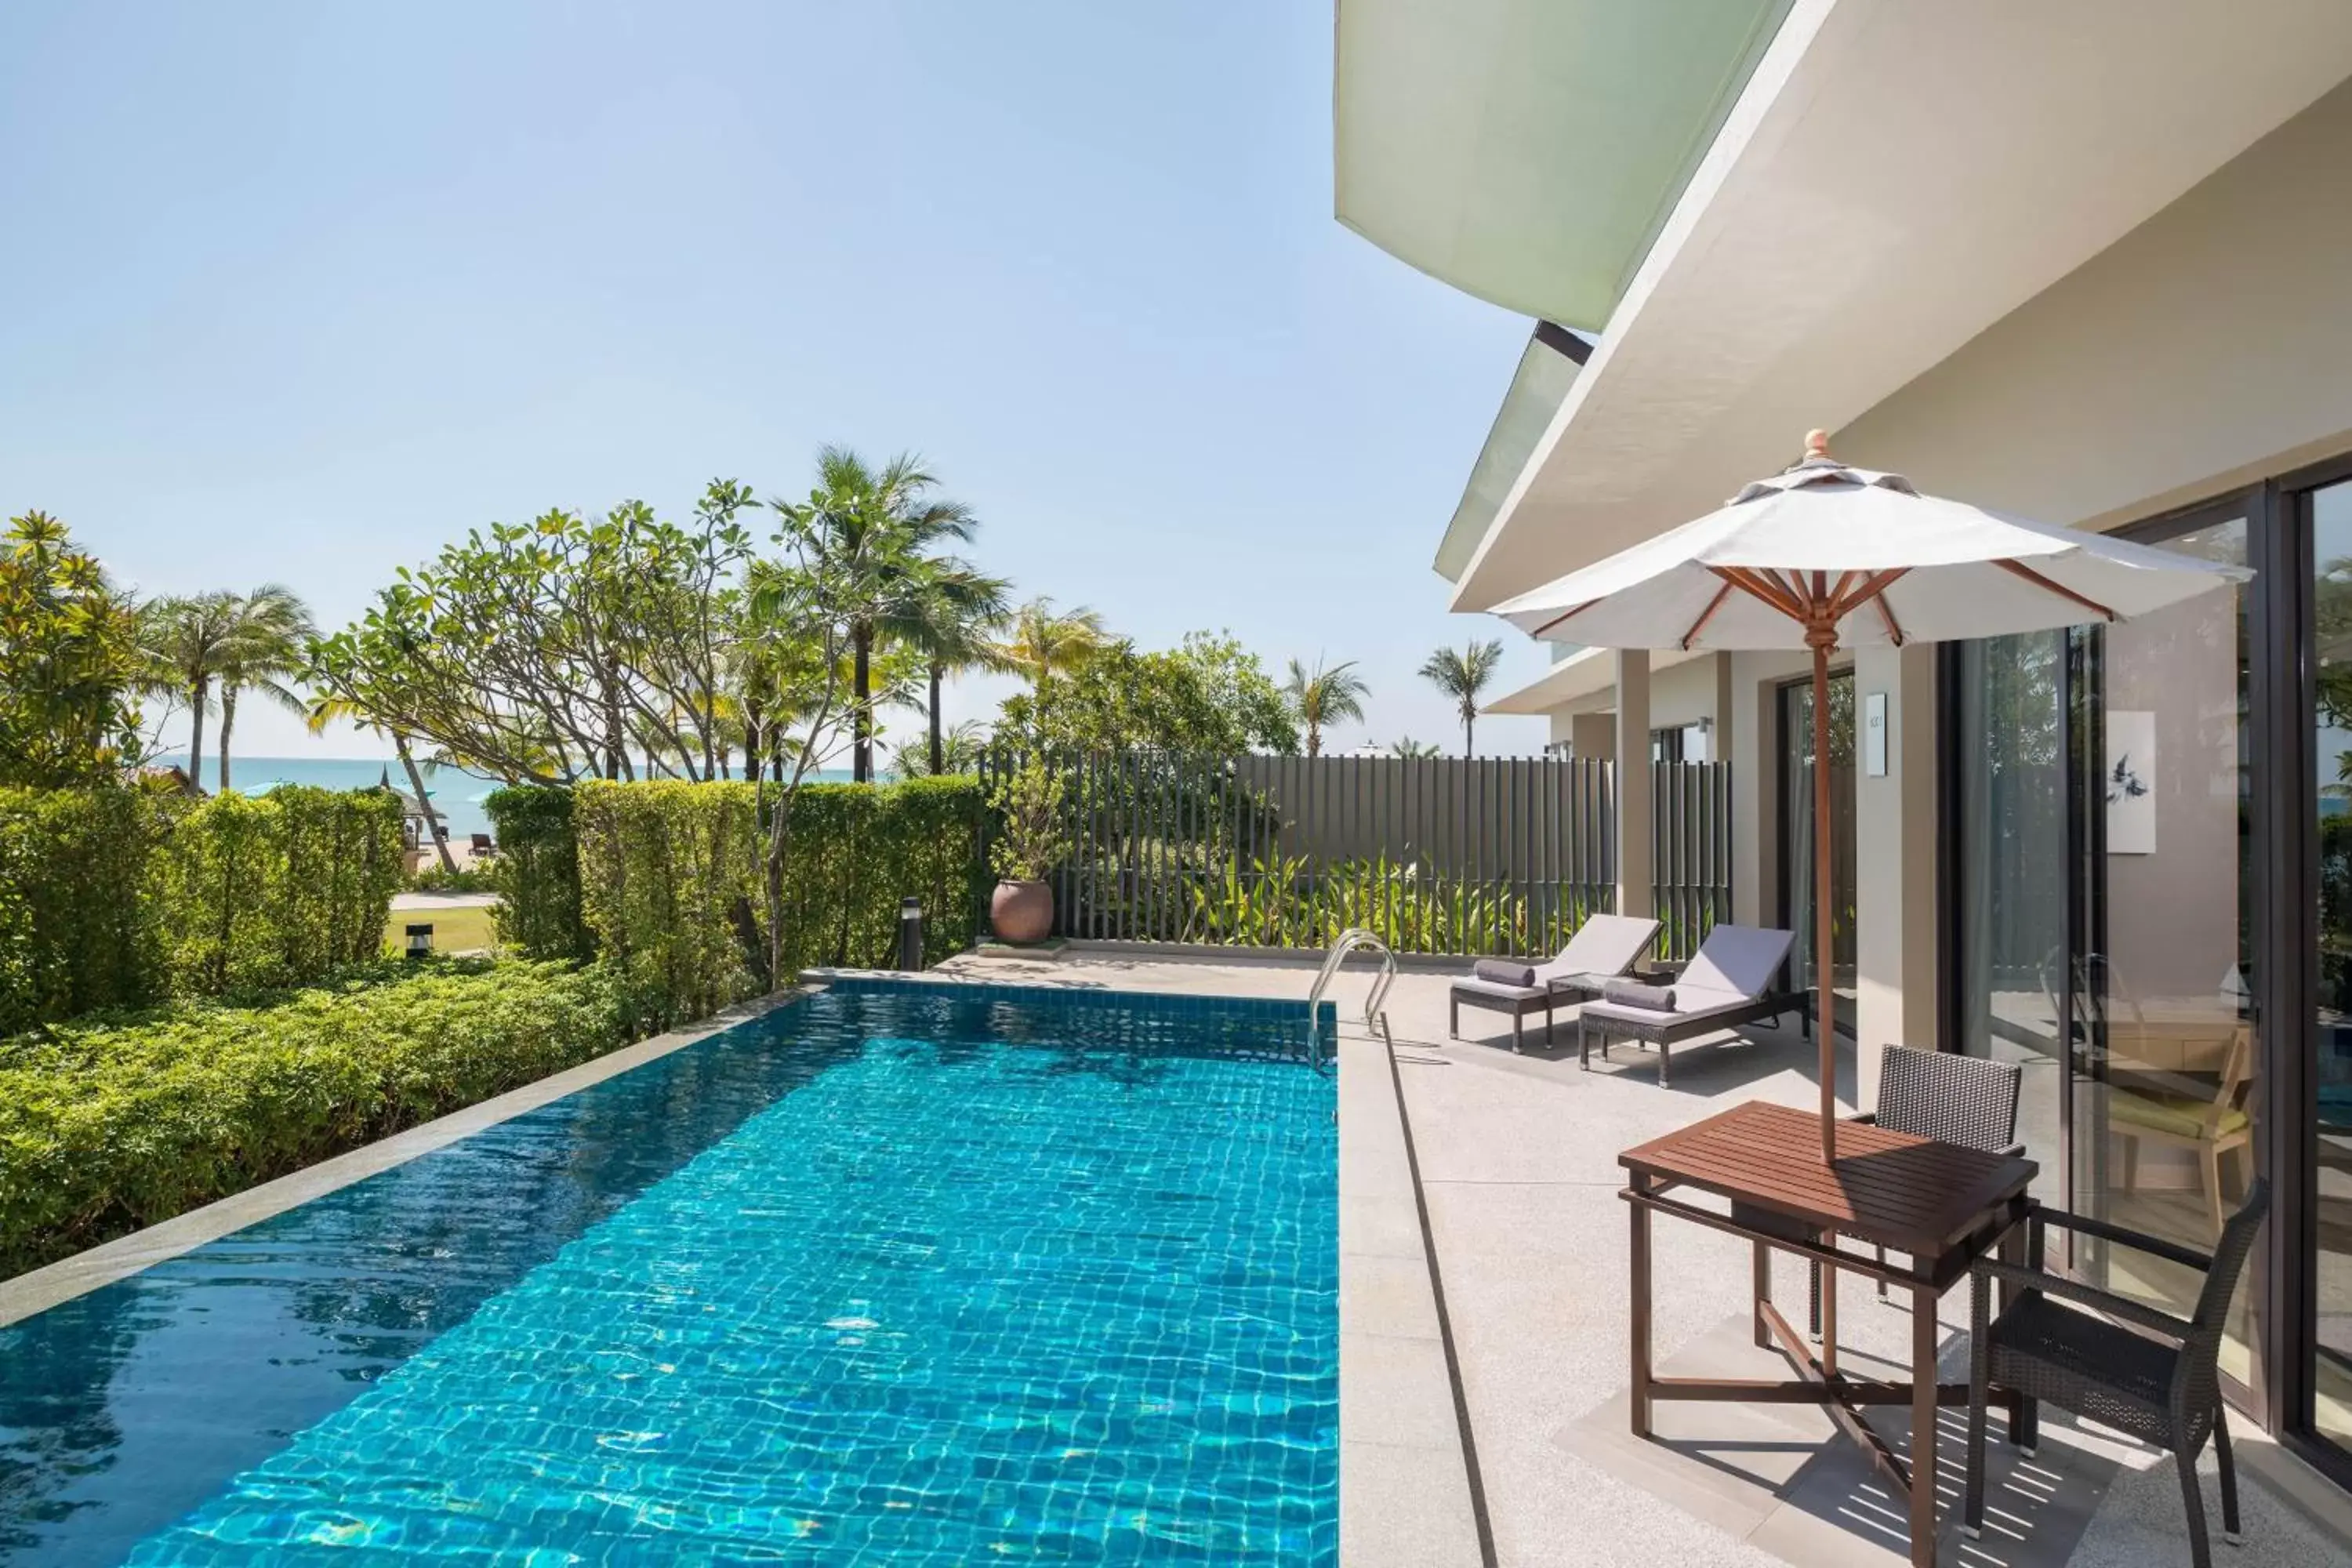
(298, 292)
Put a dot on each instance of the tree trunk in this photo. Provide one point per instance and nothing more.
(861, 757)
(1314, 740)
(938, 747)
(228, 723)
(198, 690)
(1468, 748)
(416, 788)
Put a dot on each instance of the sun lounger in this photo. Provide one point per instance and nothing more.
(1603, 946)
(1728, 982)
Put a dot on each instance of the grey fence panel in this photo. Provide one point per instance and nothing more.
(1434, 854)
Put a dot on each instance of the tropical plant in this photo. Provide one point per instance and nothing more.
(565, 648)
(876, 534)
(1209, 696)
(1282, 901)
(264, 644)
(1326, 695)
(324, 711)
(957, 750)
(70, 661)
(1463, 675)
(954, 611)
(1410, 749)
(1043, 641)
(1033, 834)
(184, 637)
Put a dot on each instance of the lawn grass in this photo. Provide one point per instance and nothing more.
(467, 929)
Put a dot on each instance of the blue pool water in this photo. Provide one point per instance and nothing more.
(894, 1276)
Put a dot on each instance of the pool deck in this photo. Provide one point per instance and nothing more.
(1482, 1381)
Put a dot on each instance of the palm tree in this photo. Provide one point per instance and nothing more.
(266, 645)
(1043, 642)
(1327, 696)
(878, 529)
(1411, 749)
(1462, 676)
(183, 638)
(953, 616)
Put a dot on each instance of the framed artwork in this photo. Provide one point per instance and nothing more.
(2131, 782)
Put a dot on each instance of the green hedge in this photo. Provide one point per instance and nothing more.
(670, 878)
(78, 924)
(279, 890)
(860, 849)
(536, 873)
(106, 1126)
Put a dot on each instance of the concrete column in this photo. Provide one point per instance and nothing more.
(1634, 896)
(1719, 710)
(1894, 846)
(1593, 737)
(1755, 793)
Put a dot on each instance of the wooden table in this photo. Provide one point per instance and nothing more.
(1941, 1204)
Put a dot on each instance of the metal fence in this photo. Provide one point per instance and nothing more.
(1503, 854)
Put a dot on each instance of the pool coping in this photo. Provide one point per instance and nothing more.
(103, 1265)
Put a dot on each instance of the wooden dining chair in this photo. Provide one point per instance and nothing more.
(2207, 1127)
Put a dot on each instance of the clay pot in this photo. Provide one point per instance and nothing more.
(1022, 913)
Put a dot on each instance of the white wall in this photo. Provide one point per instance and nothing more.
(2209, 347)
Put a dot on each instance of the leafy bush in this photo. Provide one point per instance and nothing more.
(668, 883)
(280, 889)
(537, 873)
(78, 926)
(107, 1125)
(1277, 903)
(1031, 834)
(671, 878)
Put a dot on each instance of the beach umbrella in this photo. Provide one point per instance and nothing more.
(1824, 555)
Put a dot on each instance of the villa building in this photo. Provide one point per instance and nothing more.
(2089, 263)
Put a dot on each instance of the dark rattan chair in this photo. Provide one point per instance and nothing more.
(2158, 1383)
(1967, 1101)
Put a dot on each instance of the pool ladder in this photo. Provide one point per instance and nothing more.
(1353, 938)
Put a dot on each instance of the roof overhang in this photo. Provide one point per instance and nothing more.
(1584, 673)
(1894, 179)
(1527, 151)
(1547, 369)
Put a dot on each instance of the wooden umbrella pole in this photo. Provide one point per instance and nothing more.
(1823, 636)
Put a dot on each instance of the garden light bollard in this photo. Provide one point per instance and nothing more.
(420, 941)
(910, 934)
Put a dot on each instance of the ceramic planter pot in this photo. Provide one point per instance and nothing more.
(1022, 913)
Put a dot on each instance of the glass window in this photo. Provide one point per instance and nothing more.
(2331, 1188)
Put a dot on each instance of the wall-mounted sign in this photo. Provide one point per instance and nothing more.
(1873, 734)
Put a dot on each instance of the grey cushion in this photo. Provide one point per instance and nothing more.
(1633, 993)
(1470, 984)
(1505, 972)
(1737, 959)
(1605, 945)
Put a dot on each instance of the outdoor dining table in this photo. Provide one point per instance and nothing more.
(1942, 1206)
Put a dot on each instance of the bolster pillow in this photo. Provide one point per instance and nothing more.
(1504, 972)
(1633, 993)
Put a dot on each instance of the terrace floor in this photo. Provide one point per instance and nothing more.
(1481, 1398)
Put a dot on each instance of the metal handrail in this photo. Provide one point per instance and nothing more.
(1350, 940)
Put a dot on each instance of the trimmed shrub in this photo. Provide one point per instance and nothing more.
(671, 878)
(110, 1125)
(668, 877)
(279, 890)
(537, 872)
(78, 928)
(858, 849)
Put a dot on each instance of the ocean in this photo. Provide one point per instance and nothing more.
(456, 794)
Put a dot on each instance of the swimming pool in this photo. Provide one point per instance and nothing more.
(900, 1273)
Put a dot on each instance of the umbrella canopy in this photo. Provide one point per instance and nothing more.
(1823, 555)
(1898, 566)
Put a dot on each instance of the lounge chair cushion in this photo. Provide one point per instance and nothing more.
(1505, 972)
(1604, 944)
(1740, 960)
(1473, 984)
(1691, 1002)
(2182, 1118)
(1633, 993)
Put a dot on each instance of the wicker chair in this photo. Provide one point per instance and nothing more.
(1969, 1101)
(2159, 1385)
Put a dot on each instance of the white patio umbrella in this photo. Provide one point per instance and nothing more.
(1823, 555)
